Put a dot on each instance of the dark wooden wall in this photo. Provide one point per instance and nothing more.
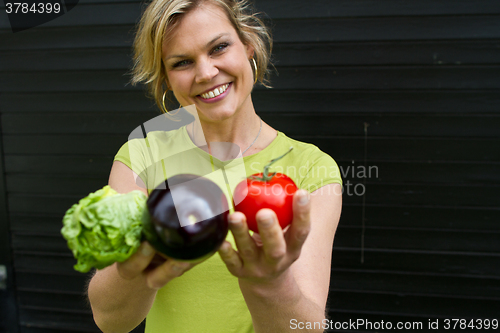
(410, 89)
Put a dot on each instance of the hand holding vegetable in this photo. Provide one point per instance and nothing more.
(265, 258)
(107, 227)
(271, 202)
(156, 269)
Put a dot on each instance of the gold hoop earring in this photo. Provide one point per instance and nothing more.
(163, 102)
(165, 108)
(255, 69)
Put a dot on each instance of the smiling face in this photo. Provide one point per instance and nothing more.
(208, 65)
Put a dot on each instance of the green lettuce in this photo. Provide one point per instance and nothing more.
(104, 227)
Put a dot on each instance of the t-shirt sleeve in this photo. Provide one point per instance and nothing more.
(132, 155)
(323, 170)
(128, 153)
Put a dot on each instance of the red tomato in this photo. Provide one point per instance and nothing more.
(277, 194)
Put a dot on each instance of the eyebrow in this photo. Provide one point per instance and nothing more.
(206, 46)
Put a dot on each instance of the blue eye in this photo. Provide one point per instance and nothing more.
(220, 47)
(180, 63)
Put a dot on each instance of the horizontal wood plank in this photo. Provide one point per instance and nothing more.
(422, 194)
(405, 239)
(51, 60)
(43, 204)
(52, 282)
(32, 241)
(422, 217)
(428, 172)
(414, 284)
(417, 262)
(71, 144)
(388, 78)
(36, 320)
(360, 8)
(88, 102)
(53, 300)
(388, 28)
(401, 101)
(110, 80)
(405, 305)
(45, 263)
(79, 37)
(393, 53)
(407, 149)
(75, 165)
(38, 223)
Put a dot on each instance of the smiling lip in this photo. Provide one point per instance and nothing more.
(216, 98)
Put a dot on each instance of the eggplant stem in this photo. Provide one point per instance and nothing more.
(266, 176)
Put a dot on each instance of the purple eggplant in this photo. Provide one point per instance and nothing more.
(186, 217)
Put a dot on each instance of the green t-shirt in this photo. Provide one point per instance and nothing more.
(207, 298)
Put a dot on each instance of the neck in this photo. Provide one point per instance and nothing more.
(243, 131)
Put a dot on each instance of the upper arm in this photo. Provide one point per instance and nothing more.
(123, 180)
(312, 268)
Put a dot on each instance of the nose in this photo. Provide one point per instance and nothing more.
(205, 71)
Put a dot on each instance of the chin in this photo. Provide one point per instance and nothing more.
(216, 113)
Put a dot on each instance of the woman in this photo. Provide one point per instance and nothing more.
(210, 54)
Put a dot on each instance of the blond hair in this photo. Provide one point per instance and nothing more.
(162, 16)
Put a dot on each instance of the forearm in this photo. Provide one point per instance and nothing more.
(274, 306)
(119, 305)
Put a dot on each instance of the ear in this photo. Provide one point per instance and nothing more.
(250, 51)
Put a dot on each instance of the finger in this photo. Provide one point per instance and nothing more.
(257, 239)
(166, 272)
(135, 265)
(301, 225)
(230, 258)
(244, 242)
(271, 234)
(157, 260)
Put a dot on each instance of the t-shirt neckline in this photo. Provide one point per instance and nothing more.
(190, 142)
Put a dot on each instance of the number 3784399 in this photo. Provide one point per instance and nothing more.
(479, 324)
(34, 8)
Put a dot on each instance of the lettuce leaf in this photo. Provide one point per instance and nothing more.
(104, 227)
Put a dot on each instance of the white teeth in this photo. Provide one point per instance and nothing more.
(215, 92)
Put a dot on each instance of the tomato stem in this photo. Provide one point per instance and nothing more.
(266, 176)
